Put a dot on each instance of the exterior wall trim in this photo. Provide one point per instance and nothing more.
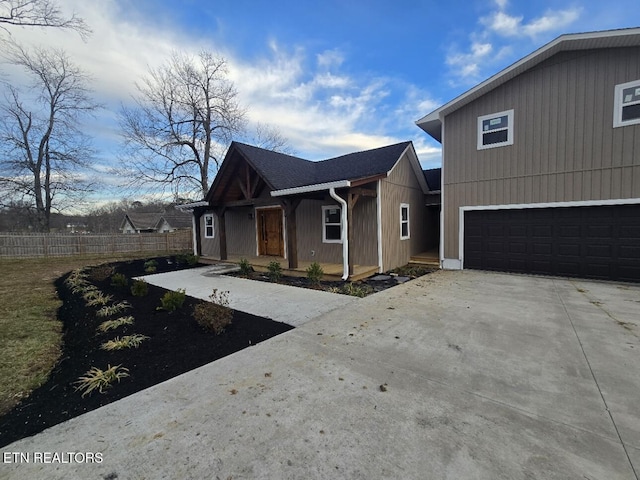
(522, 206)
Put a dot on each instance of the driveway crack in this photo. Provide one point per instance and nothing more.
(593, 375)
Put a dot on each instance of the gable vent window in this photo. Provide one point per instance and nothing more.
(495, 130)
(626, 107)
(331, 224)
(208, 226)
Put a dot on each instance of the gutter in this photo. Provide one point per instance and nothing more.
(343, 234)
(311, 188)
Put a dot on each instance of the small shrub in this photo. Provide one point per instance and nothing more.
(96, 379)
(139, 288)
(172, 301)
(127, 341)
(315, 273)
(353, 289)
(214, 315)
(114, 309)
(101, 273)
(245, 267)
(91, 292)
(97, 299)
(275, 271)
(150, 266)
(118, 280)
(186, 258)
(113, 324)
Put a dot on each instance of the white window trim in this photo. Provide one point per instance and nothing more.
(324, 224)
(408, 222)
(617, 105)
(509, 141)
(213, 223)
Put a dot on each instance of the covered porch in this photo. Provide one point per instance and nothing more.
(332, 271)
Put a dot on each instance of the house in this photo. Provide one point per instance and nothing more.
(139, 222)
(541, 162)
(155, 222)
(364, 212)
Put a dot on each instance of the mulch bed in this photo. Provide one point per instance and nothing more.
(176, 345)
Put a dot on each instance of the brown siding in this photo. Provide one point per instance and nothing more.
(565, 147)
(241, 231)
(309, 223)
(401, 186)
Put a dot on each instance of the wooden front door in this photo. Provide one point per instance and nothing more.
(270, 238)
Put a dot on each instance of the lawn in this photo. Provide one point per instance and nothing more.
(30, 333)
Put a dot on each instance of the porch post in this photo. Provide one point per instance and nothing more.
(222, 231)
(197, 215)
(290, 207)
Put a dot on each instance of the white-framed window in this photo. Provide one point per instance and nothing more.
(208, 225)
(626, 106)
(495, 130)
(331, 224)
(405, 231)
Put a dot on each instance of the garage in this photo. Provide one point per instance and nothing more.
(599, 242)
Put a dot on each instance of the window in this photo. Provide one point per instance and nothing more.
(208, 226)
(626, 107)
(331, 224)
(495, 130)
(404, 221)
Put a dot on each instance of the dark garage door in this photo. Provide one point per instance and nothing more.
(590, 242)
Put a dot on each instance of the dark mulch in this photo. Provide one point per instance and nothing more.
(176, 345)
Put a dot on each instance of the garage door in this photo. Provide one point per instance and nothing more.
(601, 242)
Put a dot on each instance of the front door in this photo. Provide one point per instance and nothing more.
(270, 241)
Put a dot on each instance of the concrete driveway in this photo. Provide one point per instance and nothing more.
(282, 303)
(456, 375)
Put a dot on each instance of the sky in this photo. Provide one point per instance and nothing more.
(333, 77)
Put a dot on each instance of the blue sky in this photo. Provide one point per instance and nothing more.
(333, 76)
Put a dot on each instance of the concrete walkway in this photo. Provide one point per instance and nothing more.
(282, 303)
(456, 375)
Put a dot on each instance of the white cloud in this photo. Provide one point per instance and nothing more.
(485, 52)
(330, 58)
(507, 25)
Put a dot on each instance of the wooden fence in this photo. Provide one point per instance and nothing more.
(59, 245)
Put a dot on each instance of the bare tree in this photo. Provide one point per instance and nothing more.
(42, 150)
(270, 138)
(39, 13)
(184, 117)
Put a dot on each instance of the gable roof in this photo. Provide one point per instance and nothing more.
(629, 37)
(141, 220)
(283, 172)
(176, 219)
(433, 176)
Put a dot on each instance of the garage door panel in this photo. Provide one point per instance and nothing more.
(593, 242)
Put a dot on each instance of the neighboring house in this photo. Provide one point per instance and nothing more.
(137, 222)
(541, 162)
(163, 222)
(364, 209)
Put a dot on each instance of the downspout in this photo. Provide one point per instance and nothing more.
(343, 233)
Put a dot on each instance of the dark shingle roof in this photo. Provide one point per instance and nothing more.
(285, 171)
(432, 176)
(143, 221)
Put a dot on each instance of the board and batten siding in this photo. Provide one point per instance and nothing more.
(210, 247)
(240, 223)
(565, 148)
(310, 245)
(401, 186)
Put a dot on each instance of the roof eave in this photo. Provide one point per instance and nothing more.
(431, 123)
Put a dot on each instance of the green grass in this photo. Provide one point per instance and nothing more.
(30, 334)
